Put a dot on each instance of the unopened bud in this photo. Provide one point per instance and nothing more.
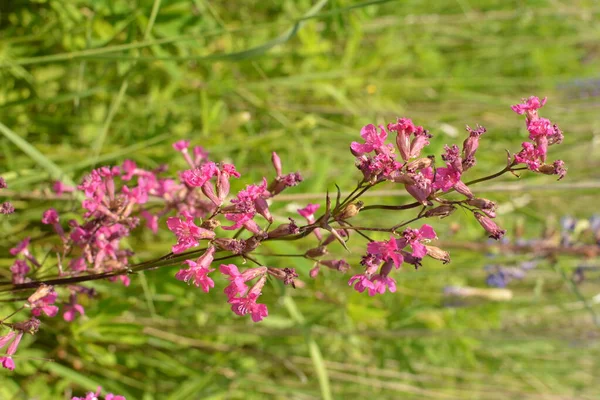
(463, 189)
(262, 207)
(490, 226)
(284, 230)
(276, 163)
(338, 265)
(316, 252)
(30, 326)
(482, 204)
(350, 211)
(399, 177)
(419, 164)
(440, 211)
(556, 168)
(438, 254)
(314, 271)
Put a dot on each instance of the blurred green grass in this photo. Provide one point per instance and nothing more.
(88, 83)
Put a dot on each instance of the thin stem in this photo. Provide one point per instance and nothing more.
(11, 314)
(385, 207)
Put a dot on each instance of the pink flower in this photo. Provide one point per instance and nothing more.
(529, 106)
(129, 168)
(374, 141)
(199, 176)
(308, 212)
(246, 204)
(414, 237)
(237, 285)
(59, 188)
(151, 221)
(198, 271)
(381, 284)
(7, 361)
(248, 305)
(188, 234)
(181, 145)
(361, 283)
(44, 305)
(50, 217)
(21, 247)
(19, 270)
(72, 309)
(446, 178)
(470, 146)
(386, 250)
(529, 156)
(422, 186)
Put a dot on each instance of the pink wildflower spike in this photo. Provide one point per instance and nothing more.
(387, 250)
(361, 283)
(374, 141)
(59, 188)
(188, 234)
(7, 361)
(529, 106)
(199, 176)
(72, 309)
(198, 270)
(45, 305)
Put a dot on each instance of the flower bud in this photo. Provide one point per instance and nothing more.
(316, 252)
(262, 207)
(350, 211)
(440, 211)
(490, 226)
(276, 163)
(463, 189)
(438, 254)
(482, 204)
(399, 177)
(284, 230)
(338, 265)
(314, 271)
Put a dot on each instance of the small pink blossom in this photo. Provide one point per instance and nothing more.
(374, 141)
(361, 283)
(50, 217)
(528, 155)
(181, 145)
(422, 187)
(198, 271)
(45, 305)
(414, 237)
(386, 250)
(72, 309)
(188, 234)
(7, 361)
(199, 176)
(529, 106)
(20, 247)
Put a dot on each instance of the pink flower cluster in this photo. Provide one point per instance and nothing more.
(383, 256)
(376, 159)
(542, 133)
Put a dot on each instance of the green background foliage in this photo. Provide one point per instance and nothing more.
(89, 83)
